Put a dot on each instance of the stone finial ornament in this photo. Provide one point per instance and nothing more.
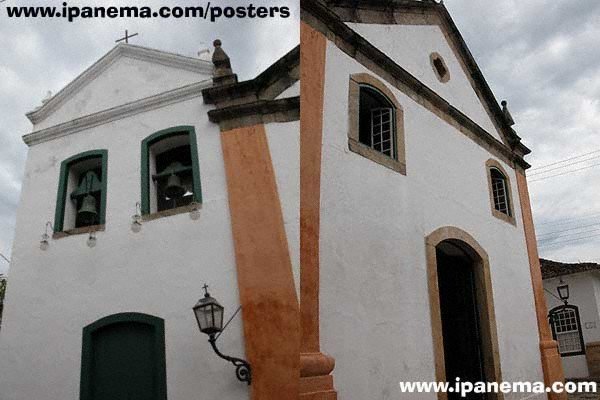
(223, 73)
(507, 116)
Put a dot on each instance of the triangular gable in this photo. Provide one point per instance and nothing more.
(428, 13)
(151, 72)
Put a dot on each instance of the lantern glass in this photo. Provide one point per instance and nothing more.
(209, 315)
(563, 292)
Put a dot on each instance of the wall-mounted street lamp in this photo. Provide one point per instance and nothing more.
(563, 292)
(209, 315)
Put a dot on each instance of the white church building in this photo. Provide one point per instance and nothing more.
(363, 201)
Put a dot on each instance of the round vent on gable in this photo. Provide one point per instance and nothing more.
(439, 67)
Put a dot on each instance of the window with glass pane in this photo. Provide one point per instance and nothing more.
(376, 122)
(500, 192)
(567, 330)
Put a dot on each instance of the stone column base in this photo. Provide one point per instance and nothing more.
(316, 383)
(552, 367)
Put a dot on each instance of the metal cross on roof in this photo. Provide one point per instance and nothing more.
(127, 37)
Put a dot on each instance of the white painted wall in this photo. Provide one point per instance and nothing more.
(584, 291)
(125, 80)
(410, 46)
(159, 271)
(374, 298)
(284, 145)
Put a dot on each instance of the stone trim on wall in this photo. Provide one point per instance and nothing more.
(489, 164)
(354, 144)
(268, 299)
(485, 302)
(347, 40)
(316, 381)
(431, 13)
(258, 112)
(551, 360)
(442, 78)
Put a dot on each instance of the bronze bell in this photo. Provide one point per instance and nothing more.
(174, 189)
(88, 212)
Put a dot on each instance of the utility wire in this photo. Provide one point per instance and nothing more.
(565, 160)
(566, 221)
(550, 239)
(5, 258)
(551, 244)
(568, 230)
(564, 173)
(563, 166)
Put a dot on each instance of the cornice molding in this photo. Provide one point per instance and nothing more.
(258, 112)
(119, 51)
(116, 113)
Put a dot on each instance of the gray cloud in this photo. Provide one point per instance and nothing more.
(38, 55)
(543, 57)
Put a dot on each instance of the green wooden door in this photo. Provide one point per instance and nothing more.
(124, 359)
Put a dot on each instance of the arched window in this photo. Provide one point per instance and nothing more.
(81, 197)
(500, 192)
(566, 330)
(123, 357)
(170, 170)
(376, 129)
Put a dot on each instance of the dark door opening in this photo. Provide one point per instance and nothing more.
(124, 359)
(463, 353)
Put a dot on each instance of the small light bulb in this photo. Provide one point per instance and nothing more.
(195, 211)
(91, 242)
(44, 244)
(136, 224)
(136, 227)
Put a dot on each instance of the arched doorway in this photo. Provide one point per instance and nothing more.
(462, 311)
(123, 358)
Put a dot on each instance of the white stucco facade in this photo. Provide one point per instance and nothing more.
(159, 271)
(375, 311)
(584, 292)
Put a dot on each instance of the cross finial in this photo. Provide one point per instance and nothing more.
(205, 287)
(127, 37)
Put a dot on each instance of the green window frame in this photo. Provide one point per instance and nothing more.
(157, 324)
(61, 197)
(145, 166)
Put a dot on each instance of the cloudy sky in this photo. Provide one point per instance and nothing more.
(542, 56)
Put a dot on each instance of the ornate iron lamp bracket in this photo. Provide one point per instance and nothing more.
(242, 368)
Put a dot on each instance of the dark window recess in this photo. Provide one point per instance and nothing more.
(377, 122)
(500, 192)
(174, 178)
(440, 67)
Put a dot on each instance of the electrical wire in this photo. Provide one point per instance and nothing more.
(551, 244)
(550, 239)
(5, 258)
(565, 221)
(563, 161)
(568, 230)
(564, 166)
(564, 173)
